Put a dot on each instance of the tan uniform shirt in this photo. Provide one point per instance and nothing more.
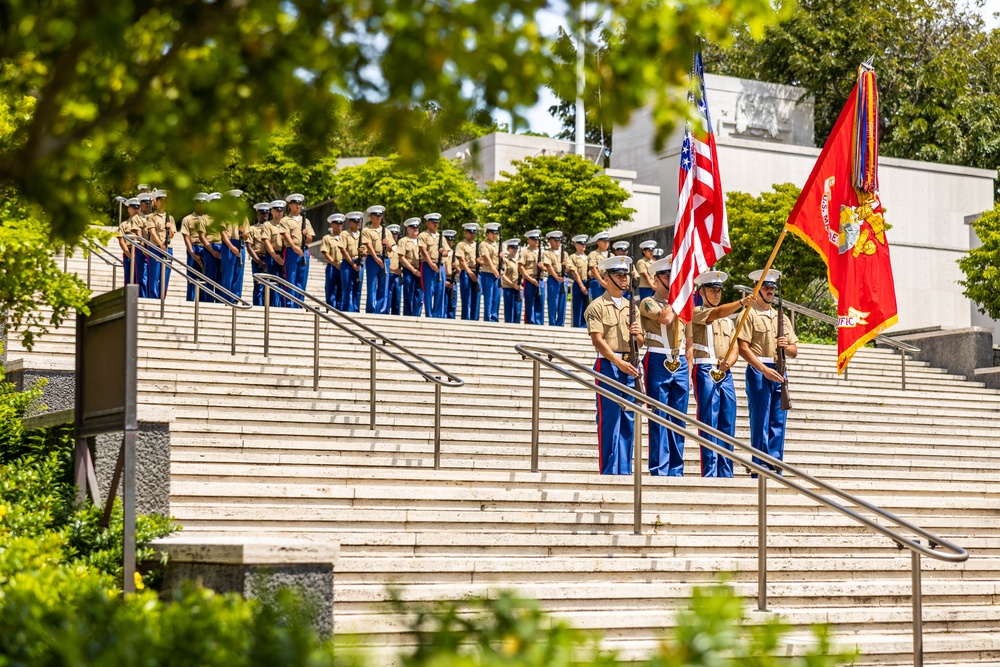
(409, 249)
(331, 246)
(491, 250)
(375, 236)
(293, 225)
(596, 257)
(394, 260)
(761, 331)
(134, 226)
(529, 260)
(719, 333)
(350, 245)
(431, 243)
(554, 259)
(273, 231)
(213, 236)
(466, 251)
(660, 336)
(610, 320)
(191, 226)
(641, 267)
(256, 240)
(236, 231)
(511, 277)
(579, 264)
(159, 222)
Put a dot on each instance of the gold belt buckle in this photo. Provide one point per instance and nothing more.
(717, 375)
(673, 364)
(626, 357)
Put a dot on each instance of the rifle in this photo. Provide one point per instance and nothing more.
(780, 362)
(633, 340)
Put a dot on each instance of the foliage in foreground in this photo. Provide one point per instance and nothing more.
(981, 265)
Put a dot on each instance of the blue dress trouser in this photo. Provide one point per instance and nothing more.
(166, 285)
(227, 272)
(302, 275)
(717, 408)
(153, 269)
(193, 263)
(275, 269)
(413, 294)
(432, 283)
(470, 296)
(580, 302)
(489, 284)
(377, 285)
(511, 305)
(140, 270)
(395, 281)
(213, 271)
(241, 263)
(293, 267)
(614, 425)
(332, 286)
(258, 288)
(450, 301)
(556, 300)
(534, 300)
(666, 448)
(767, 419)
(596, 291)
(350, 285)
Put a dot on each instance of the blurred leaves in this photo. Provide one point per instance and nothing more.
(981, 265)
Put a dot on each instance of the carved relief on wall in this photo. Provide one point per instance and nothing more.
(759, 116)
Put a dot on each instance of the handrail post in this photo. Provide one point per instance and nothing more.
(535, 399)
(637, 473)
(918, 604)
(197, 298)
(89, 257)
(762, 543)
(267, 318)
(902, 360)
(163, 287)
(315, 351)
(437, 425)
(114, 277)
(65, 259)
(232, 334)
(371, 389)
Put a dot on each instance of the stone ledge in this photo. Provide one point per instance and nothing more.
(244, 550)
(991, 376)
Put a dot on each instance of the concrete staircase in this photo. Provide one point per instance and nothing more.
(254, 450)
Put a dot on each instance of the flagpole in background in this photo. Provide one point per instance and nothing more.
(581, 52)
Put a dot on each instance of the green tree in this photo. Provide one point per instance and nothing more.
(754, 226)
(938, 71)
(440, 187)
(557, 192)
(565, 110)
(981, 265)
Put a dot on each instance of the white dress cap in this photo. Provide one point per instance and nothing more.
(434, 217)
(145, 196)
(657, 252)
(201, 196)
(234, 193)
(616, 265)
(448, 233)
(336, 218)
(580, 238)
(647, 245)
(600, 236)
(771, 278)
(711, 279)
(376, 210)
(512, 242)
(533, 234)
(278, 203)
(620, 245)
(296, 198)
(262, 206)
(471, 227)
(412, 222)
(492, 226)
(554, 234)
(133, 202)
(356, 215)
(660, 266)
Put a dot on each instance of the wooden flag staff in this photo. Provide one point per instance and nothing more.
(756, 289)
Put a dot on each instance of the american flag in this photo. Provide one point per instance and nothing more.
(701, 234)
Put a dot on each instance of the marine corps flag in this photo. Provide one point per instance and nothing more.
(840, 216)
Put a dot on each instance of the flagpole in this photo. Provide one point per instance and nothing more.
(756, 289)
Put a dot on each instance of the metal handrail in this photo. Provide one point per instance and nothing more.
(541, 355)
(440, 377)
(196, 278)
(823, 317)
(105, 256)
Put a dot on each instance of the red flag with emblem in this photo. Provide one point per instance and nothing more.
(840, 216)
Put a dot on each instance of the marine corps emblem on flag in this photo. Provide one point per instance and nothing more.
(839, 214)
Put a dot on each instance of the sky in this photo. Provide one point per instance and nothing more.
(540, 120)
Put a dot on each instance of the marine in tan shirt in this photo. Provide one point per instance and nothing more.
(711, 330)
(331, 249)
(758, 339)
